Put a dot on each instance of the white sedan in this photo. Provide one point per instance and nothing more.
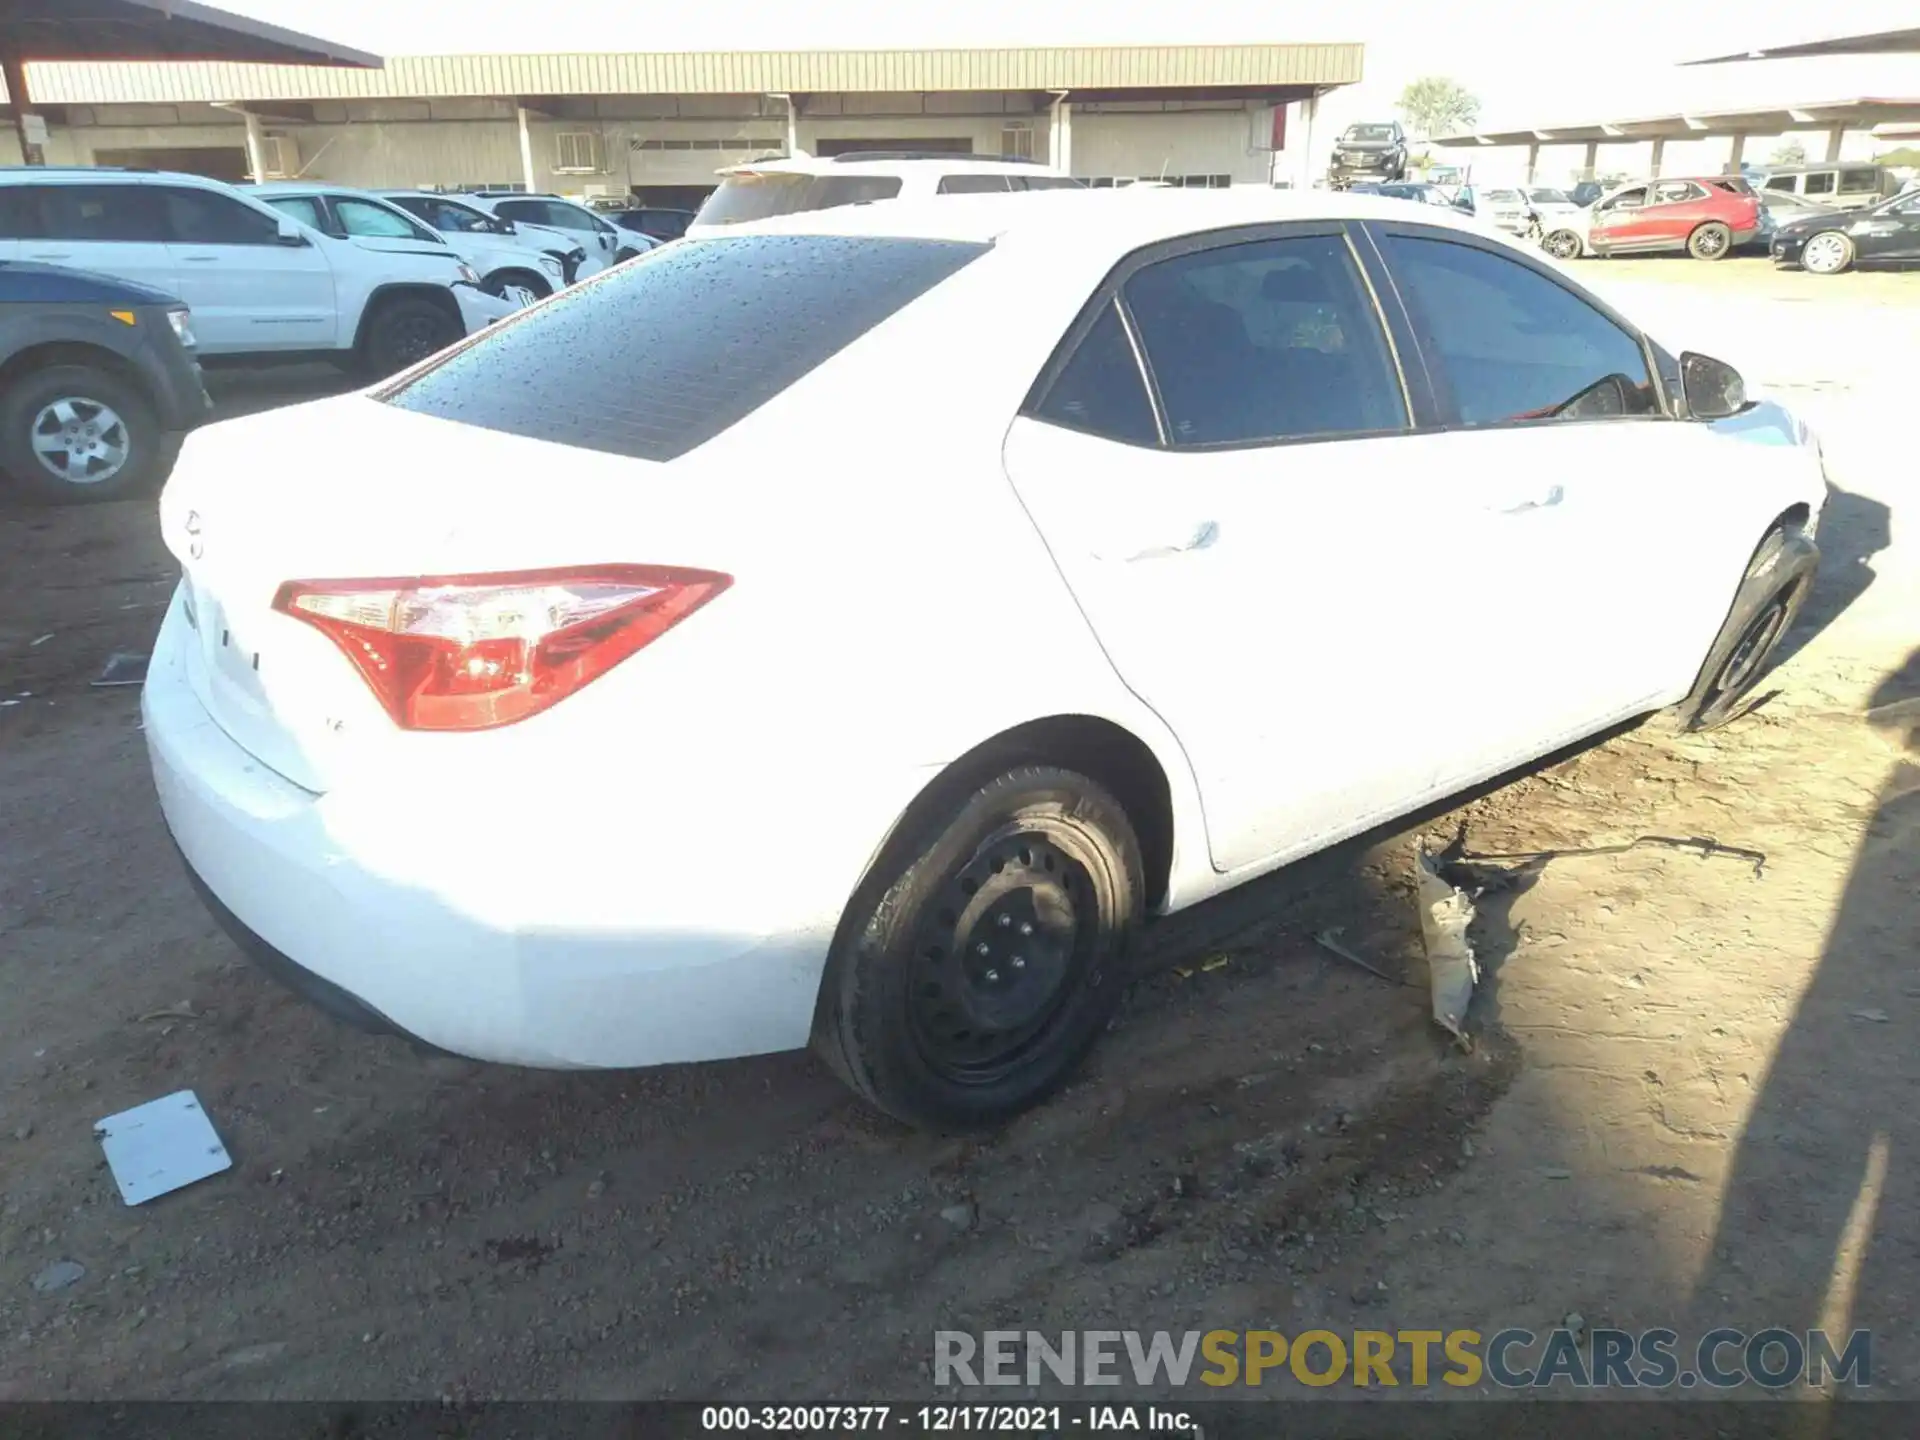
(852, 629)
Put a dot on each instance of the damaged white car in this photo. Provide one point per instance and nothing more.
(757, 719)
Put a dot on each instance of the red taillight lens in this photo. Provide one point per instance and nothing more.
(469, 652)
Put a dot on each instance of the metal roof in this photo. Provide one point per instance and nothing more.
(1877, 42)
(747, 72)
(1856, 114)
(92, 30)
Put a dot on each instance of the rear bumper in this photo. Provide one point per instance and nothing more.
(515, 921)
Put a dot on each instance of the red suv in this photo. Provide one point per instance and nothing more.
(1707, 216)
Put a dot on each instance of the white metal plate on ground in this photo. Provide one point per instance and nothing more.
(158, 1147)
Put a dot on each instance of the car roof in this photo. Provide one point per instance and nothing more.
(882, 163)
(308, 187)
(1116, 220)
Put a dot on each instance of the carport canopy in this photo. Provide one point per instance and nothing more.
(1876, 42)
(83, 30)
(1703, 124)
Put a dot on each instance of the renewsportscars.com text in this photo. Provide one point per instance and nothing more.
(1602, 1358)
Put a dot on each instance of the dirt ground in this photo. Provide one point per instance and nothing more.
(1693, 1099)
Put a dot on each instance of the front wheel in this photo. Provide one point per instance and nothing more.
(70, 434)
(1777, 581)
(501, 282)
(1712, 241)
(405, 332)
(1827, 253)
(978, 969)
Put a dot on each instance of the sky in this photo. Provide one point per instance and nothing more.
(1529, 64)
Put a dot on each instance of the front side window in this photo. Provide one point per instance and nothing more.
(1266, 340)
(304, 208)
(1100, 389)
(364, 218)
(1628, 199)
(450, 219)
(200, 217)
(1512, 344)
(99, 213)
(1788, 183)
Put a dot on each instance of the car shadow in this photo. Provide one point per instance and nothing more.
(1836, 1103)
(1853, 529)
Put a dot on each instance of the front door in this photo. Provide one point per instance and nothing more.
(1542, 386)
(1616, 219)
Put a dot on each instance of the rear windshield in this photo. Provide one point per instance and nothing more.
(670, 350)
(756, 197)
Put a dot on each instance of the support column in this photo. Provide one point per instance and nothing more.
(1592, 165)
(1060, 134)
(793, 125)
(1309, 112)
(1737, 154)
(15, 74)
(1533, 160)
(526, 147)
(1659, 157)
(256, 148)
(1834, 136)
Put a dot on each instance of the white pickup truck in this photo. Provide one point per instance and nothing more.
(260, 283)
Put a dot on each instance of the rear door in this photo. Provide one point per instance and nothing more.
(1674, 209)
(1616, 216)
(1222, 462)
(250, 291)
(1540, 383)
(115, 228)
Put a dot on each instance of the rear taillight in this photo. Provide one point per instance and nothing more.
(468, 652)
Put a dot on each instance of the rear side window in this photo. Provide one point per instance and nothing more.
(741, 198)
(1818, 182)
(973, 185)
(1865, 179)
(1513, 345)
(670, 350)
(303, 208)
(1100, 390)
(99, 212)
(1047, 182)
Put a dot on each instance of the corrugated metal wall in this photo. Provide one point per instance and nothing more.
(708, 72)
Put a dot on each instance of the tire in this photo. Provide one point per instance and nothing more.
(1562, 244)
(1828, 253)
(403, 332)
(117, 446)
(983, 959)
(497, 283)
(1711, 241)
(1775, 585)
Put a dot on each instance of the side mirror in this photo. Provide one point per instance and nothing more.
(288, 233)
(504, 227)
(1713, 388)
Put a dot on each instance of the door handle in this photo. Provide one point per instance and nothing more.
(1555, 494)
(1204, 534)
(50, 255)
(201, 259)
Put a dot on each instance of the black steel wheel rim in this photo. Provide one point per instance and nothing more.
(414, 338)
(999, 954)
(1755, 642)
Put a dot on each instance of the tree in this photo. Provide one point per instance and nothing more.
(1435, 105)
(1789, 152)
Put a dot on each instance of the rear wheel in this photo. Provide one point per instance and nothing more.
(404, 332)
(1711, 241)
(1827, 253)
(71, 434)
(982, 964)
